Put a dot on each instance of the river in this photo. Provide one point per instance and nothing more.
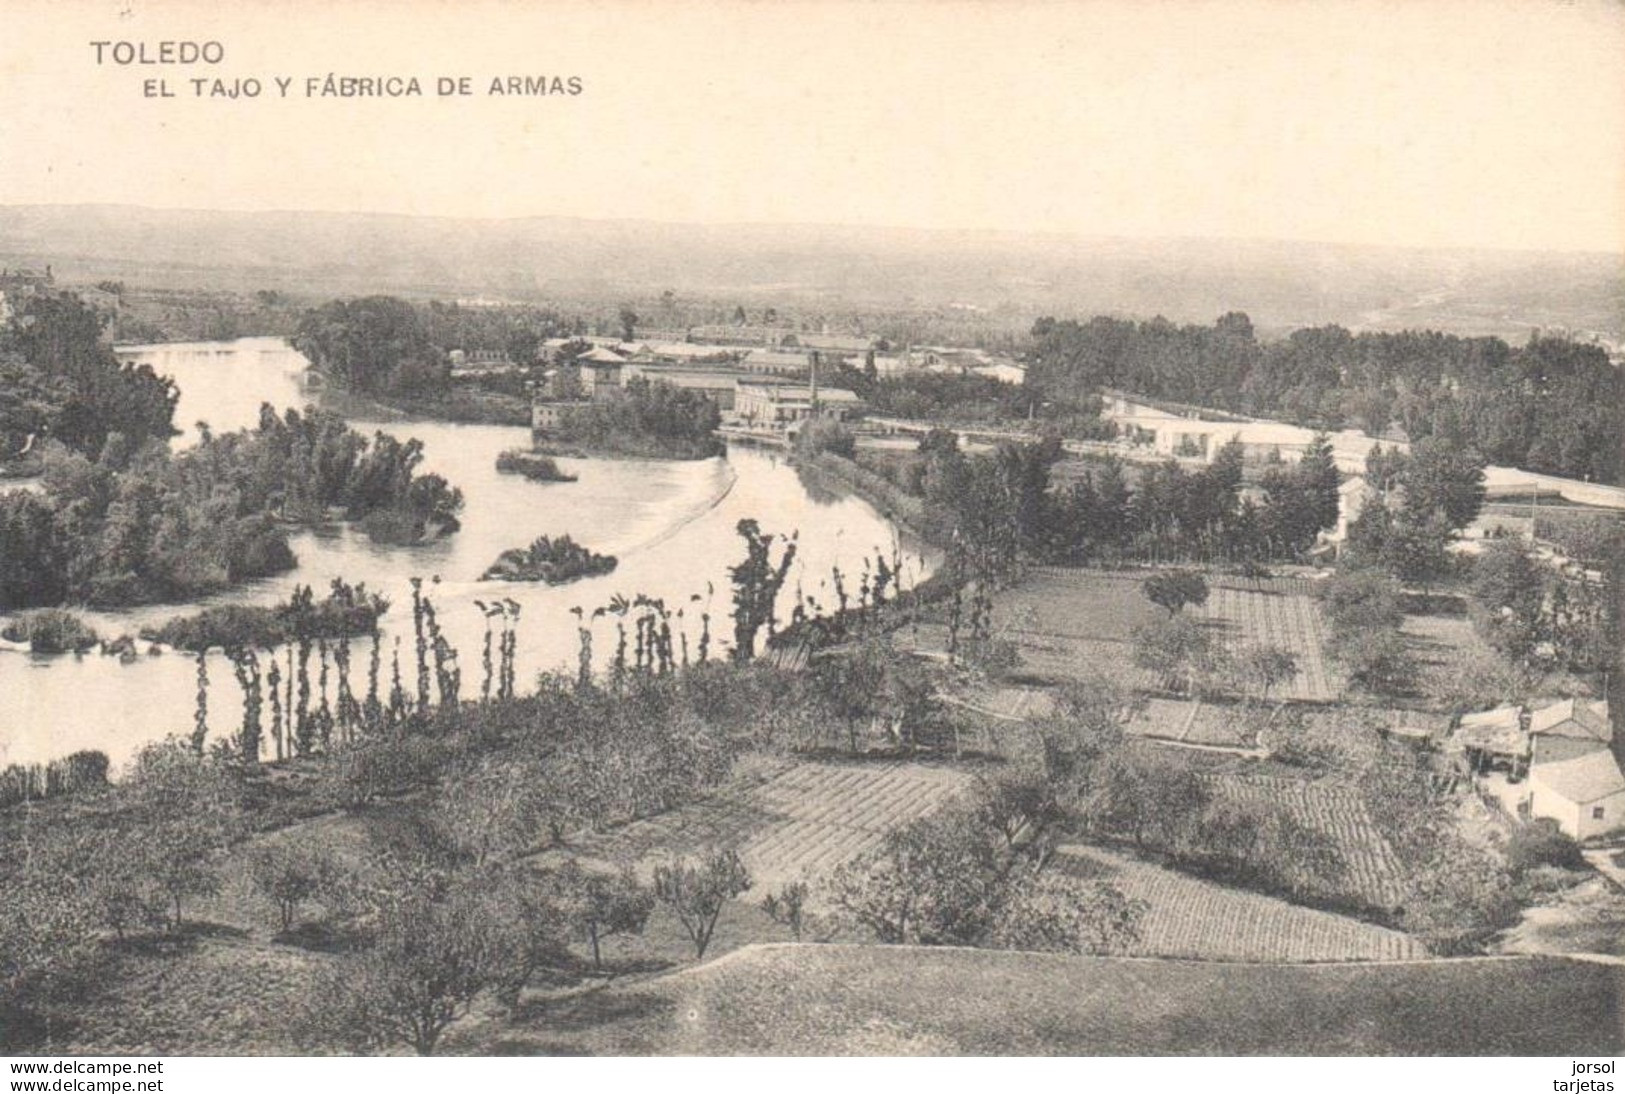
(671, 524)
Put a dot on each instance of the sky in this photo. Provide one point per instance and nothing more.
(1422, 123)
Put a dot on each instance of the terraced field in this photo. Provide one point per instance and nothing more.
(1277, 617)
(1189, 917)
(801, 822)
(1374, 873)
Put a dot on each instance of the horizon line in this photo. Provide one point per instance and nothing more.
(1051, 234)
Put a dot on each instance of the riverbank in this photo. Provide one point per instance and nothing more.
(628, 448)
(909, 513)
(463, 406)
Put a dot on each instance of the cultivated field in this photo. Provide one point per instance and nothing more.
(802, 822)
(900, 1000)
(1444, 643)
(1189, 721)
(1374, 874)
(1189, 917)
(1071, 624)
(1282, 613)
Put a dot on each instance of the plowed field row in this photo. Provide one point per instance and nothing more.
(1374, 873)
(803, 822)
(1289, 622)
(1189, 917)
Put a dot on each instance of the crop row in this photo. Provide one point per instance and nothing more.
(1189, 917)
(1290, 622)
(803, 822)
(1373, 873)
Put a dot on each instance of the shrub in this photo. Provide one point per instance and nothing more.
(51, 630)
(535, 467)
(394, 527)
(1540, 843)
(81, 771)
(825, 435)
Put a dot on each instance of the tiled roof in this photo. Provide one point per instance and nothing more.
(1573, 718)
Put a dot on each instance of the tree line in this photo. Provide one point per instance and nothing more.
(644, 419)
(1004, 504)
(1551, 405)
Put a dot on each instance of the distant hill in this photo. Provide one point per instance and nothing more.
(1279, 284)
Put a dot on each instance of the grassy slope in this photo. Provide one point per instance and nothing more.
(836, 1000)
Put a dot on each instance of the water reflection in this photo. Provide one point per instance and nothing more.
(672, 525)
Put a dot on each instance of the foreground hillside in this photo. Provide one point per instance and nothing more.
(837, 1000)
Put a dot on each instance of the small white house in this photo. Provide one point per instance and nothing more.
(1585, 795)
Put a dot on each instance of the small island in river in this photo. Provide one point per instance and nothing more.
(554, 561)
(533, 466)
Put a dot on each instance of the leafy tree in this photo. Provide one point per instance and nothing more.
(79, 393)
(493, 808)
(290, 874)
(1375, 659)
(1177, 651)
(649, 419)
(1051, 913)
(1361, 599)
(950, 879)
(47, 932)
(1149, 799)
(432, 956)
(1509, 595)
(1446, 478)
(756, 582)
(1173, 590)
(191, 806)
(370, 345)
(696, 892)
(1262, 668)
(851, 686)
(597, 905)
(1079, 739)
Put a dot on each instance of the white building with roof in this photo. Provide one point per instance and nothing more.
(1584, 794)
(785, 404)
